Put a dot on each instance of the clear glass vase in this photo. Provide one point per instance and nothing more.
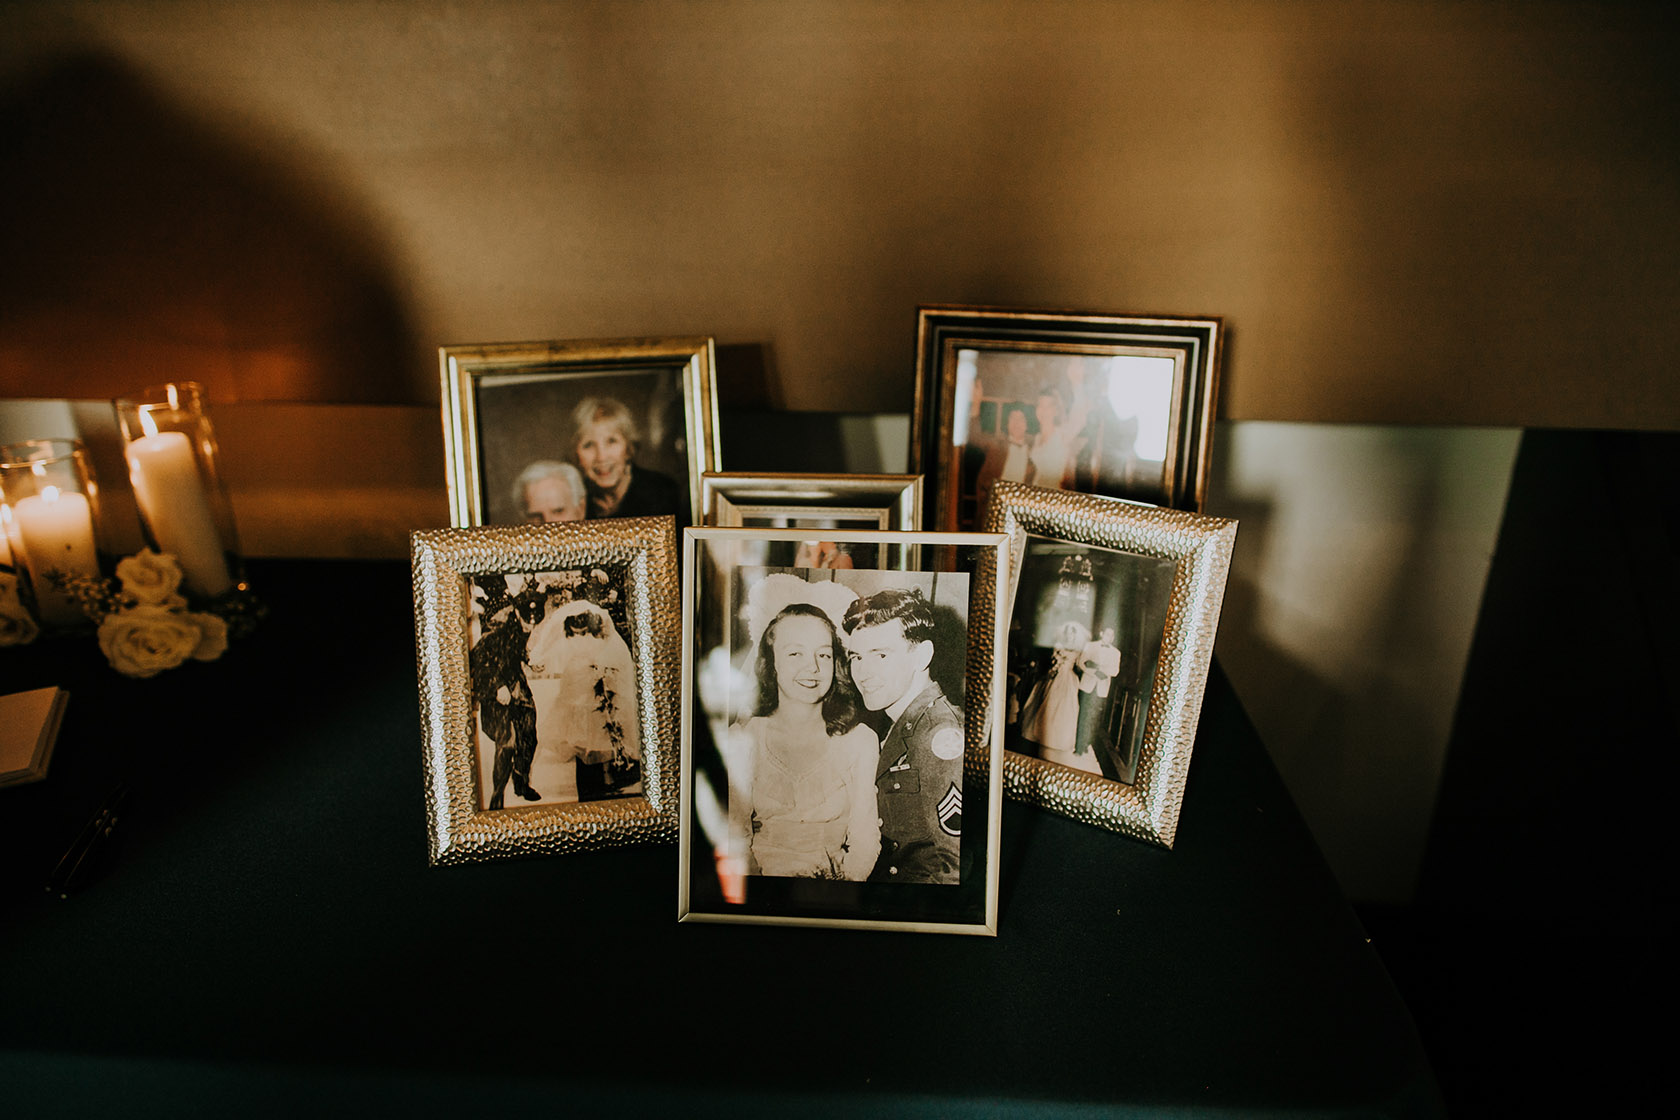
(51, 521)
(175, 468)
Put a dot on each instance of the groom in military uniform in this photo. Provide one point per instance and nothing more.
(918, 777)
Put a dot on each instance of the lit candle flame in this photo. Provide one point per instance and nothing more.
(174, 402)
(49, 493)
(147, 424)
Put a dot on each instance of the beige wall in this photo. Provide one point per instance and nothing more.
(1406, 211)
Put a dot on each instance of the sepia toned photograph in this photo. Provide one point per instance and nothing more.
(568, 431)
(1113, 405)
(1112, 618)
(548, 658)
(845, 747)
(1084, 641)
(553, 682)
(838, 719)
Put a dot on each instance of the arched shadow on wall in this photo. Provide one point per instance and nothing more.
(145, 244)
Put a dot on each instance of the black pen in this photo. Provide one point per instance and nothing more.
(91, 839)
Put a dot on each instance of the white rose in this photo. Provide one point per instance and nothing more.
(151, 579)
(144, 641)
(17, 628)
(213, 639)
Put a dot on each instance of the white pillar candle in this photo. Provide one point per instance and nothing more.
(5, 526)
(56, 531)
(172, 499)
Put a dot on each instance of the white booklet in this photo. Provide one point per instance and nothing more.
(28, 730)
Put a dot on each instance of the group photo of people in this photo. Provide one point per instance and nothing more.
(554, 688)
(583, 446)
(1084, 640)
(1098, 424)
(844, 748)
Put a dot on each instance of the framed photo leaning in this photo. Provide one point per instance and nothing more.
(822, 502)
(840, 734)
(548, 676)
(572, 430)
(1115, 405)
(1112, 617)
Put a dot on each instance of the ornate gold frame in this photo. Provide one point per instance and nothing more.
(1194, 345)
(982, 763)
(1148, 808)
(458, 830)
(462, 367)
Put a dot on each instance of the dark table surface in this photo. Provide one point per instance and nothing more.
(265, 934)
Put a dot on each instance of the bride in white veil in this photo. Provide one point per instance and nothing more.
(583, 681)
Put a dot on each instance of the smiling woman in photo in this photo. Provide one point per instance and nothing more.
(604, 443)
(804, 805)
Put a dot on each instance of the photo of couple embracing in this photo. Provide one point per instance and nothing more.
(845, 753)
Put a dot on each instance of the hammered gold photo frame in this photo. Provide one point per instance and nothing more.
(548, 660)
(1112, 615)
(578, 428)
(1118, 405)
(839, 731)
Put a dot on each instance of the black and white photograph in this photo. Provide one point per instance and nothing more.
(1084, 643)
(834, 717)
(542, 433)
(846, 730)
(553, 687)
(548, 659)
(1110, 635)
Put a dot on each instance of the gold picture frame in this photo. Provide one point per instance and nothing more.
(510, 408)
(899, 850)
(1118, 405)
(559, 619)
(1113, 609)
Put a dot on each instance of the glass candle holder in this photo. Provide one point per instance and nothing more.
(51, 520)
(175, 468)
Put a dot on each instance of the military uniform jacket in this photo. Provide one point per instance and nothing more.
(918, 790)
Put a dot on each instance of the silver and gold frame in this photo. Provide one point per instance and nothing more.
(1157, 575)
(964, 577)
(666, 382)
(446, 562)
(731, 499)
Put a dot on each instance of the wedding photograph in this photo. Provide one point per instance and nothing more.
(1092, 403)
(1084, 643)
(844, 743)
(553, 683)
(1094, 423)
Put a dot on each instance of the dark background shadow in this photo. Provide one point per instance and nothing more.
(144, 244)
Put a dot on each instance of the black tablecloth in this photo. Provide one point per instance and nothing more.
(266, 936)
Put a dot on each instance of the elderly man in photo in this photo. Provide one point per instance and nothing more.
(918, 776)
(547, 491)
